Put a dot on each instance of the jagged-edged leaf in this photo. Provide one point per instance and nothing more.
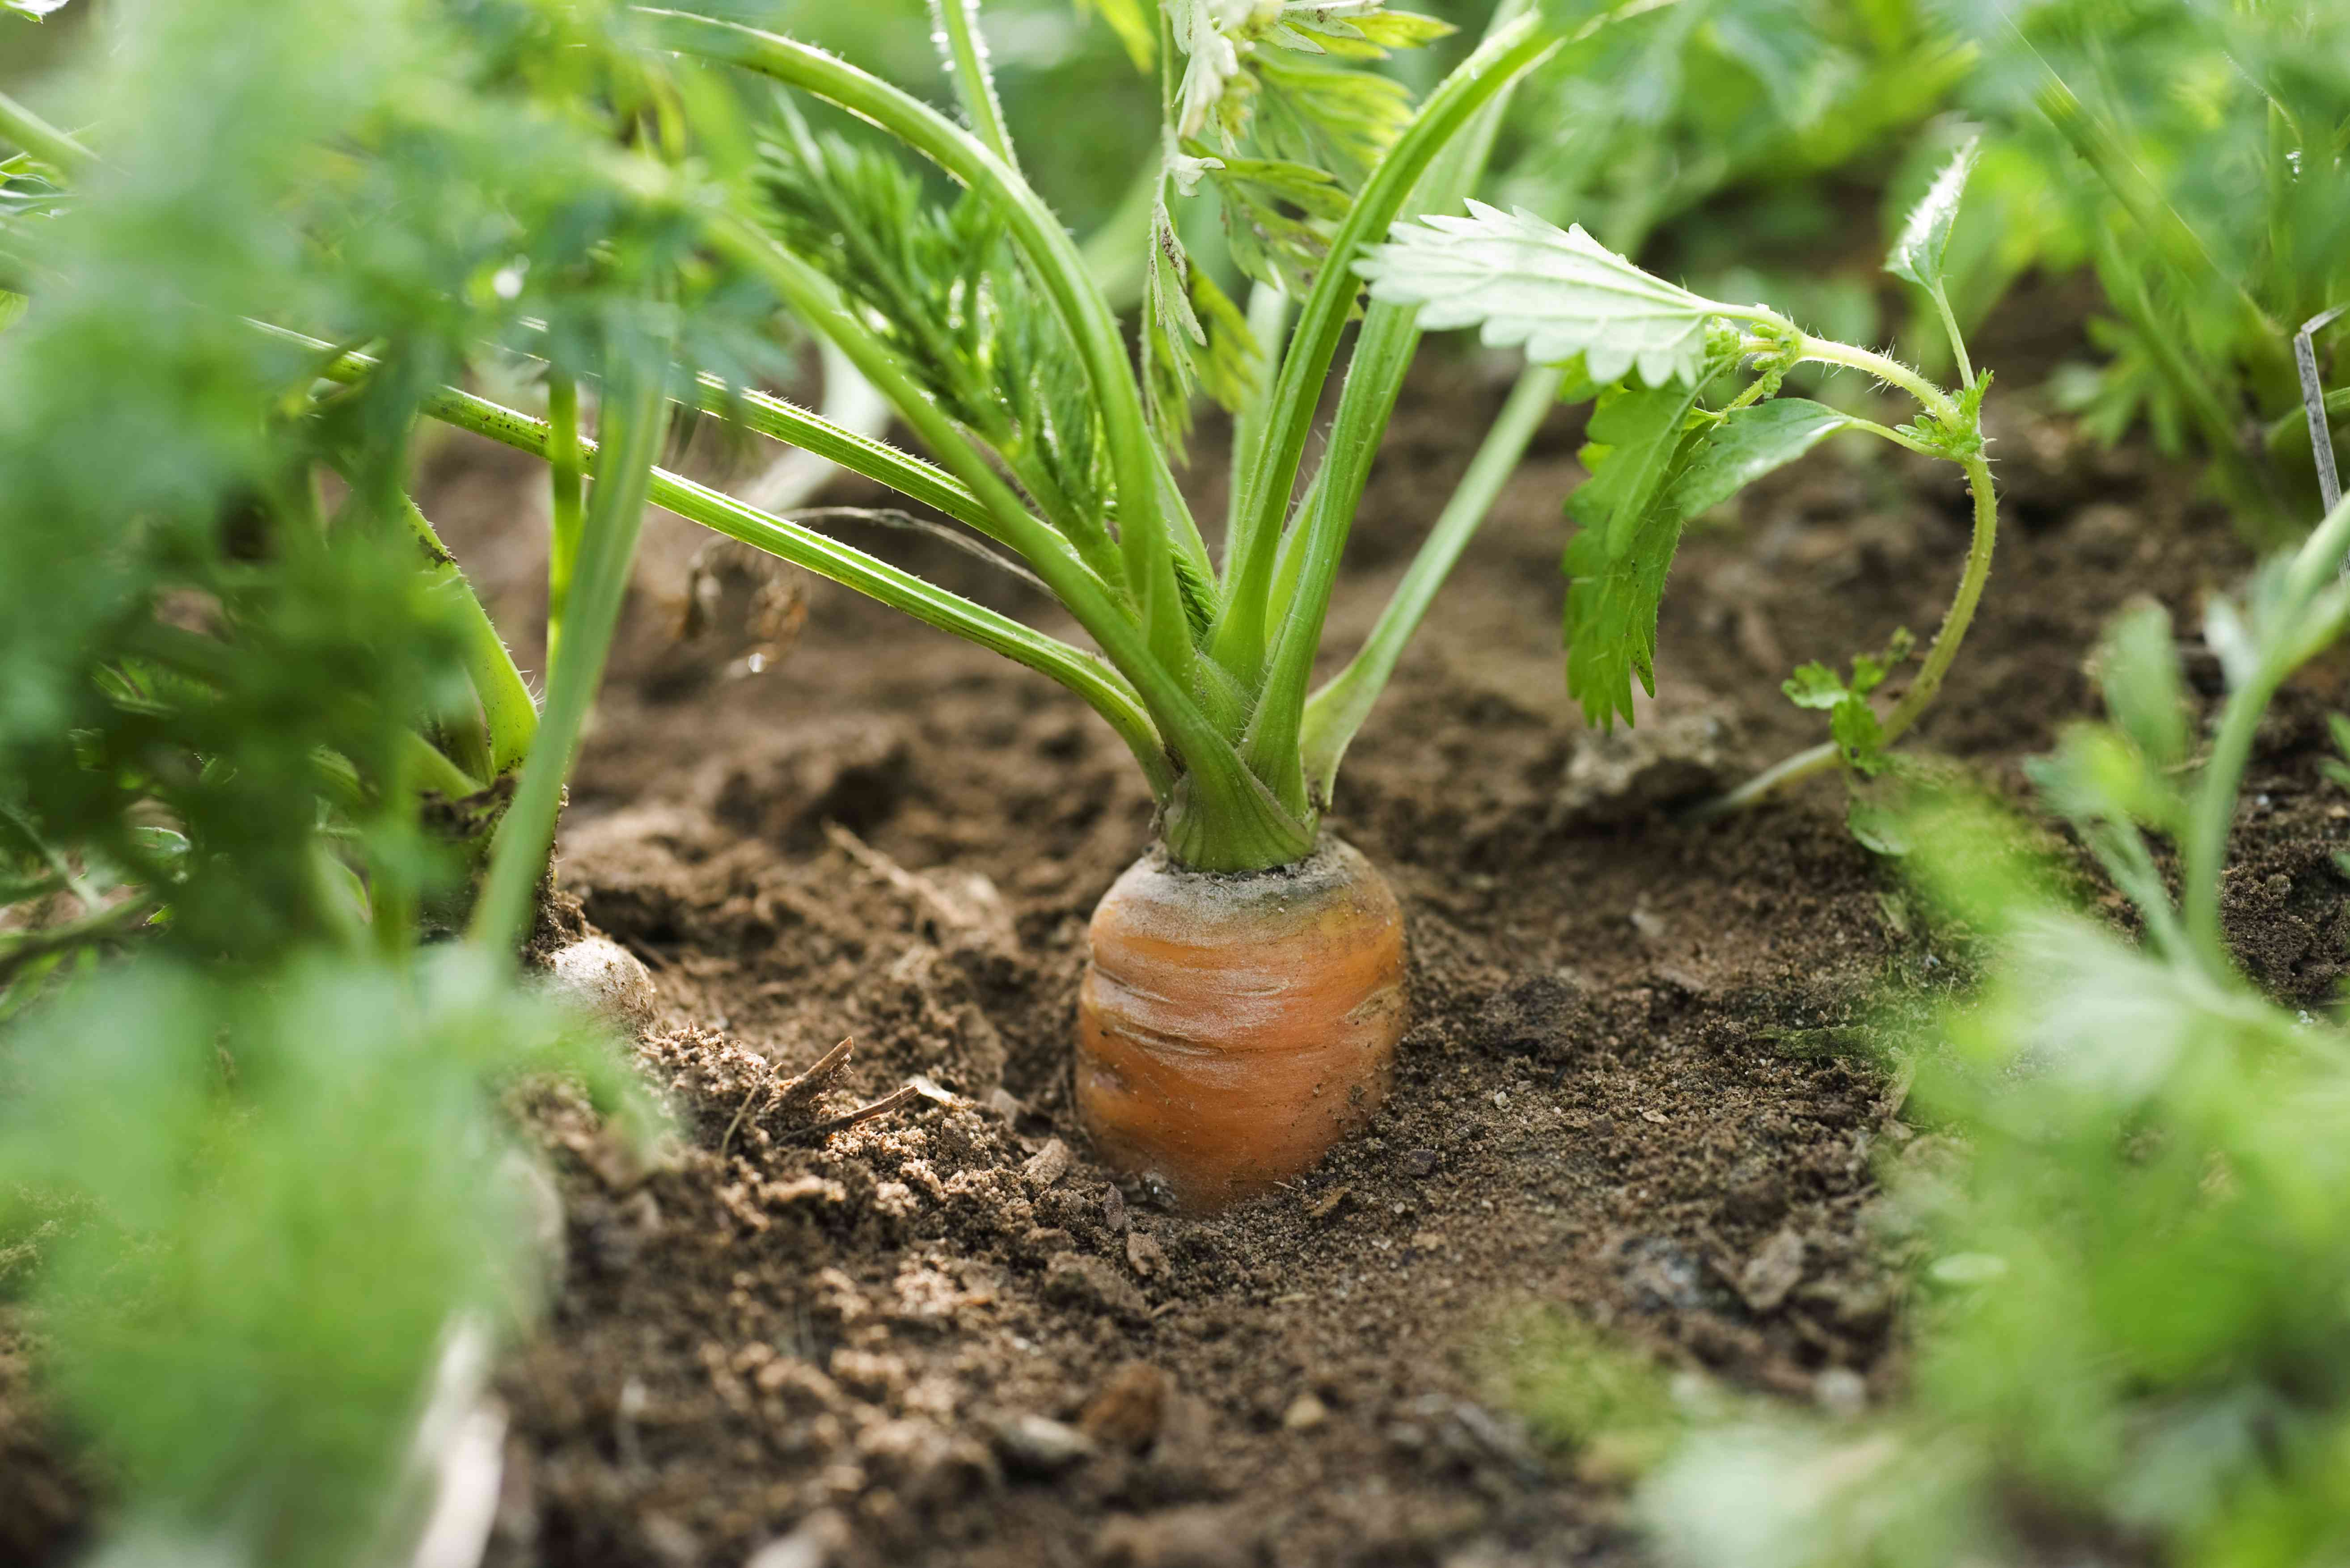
(1355, 33)
(36, 9)
(1182, 352)
(1325, 115)
(1635, 438)
(1171, 330)
(1748, 443)
(1814, 685)
(1640, 447)
(1558, 291)
(1917, 255)
(1276, 216)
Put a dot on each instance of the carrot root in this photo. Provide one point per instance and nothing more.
(1232, 1028)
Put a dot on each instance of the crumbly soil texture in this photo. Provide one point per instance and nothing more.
(946, 1335)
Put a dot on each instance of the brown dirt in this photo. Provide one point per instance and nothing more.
(1621, 1087)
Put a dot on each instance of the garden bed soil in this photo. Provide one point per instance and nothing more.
(1630, 1093)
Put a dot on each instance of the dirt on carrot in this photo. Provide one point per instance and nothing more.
(949, 1336)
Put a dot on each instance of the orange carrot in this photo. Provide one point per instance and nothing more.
(1233, 1026)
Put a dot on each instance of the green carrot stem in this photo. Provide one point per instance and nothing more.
(957, 23)
(1240, 641)
(636, 423)
(507, 710)
(1059, 268)
(1090, 677)
(1336, 712)
(2211, 812)
(565, 477)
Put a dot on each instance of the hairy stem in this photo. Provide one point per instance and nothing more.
(1099, 684)
(958, 37)
(1972, 577)
(1961, 613)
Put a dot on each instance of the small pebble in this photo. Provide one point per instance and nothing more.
(1040, 1443)
(1421, 1162)
(1841, 1392)
(1125, 1413)
(816, 1542)
(1304, 1413)
(608, 980)
(1114, 1208)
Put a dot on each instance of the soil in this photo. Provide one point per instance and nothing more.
(946, 1336)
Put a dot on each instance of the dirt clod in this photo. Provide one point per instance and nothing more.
(1048, 1164)
(1772, 1272)
(1145, 1256)
(1076, 1280)
(1126, 1412)
(1194, 1537)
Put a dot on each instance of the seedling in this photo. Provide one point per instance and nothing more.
(2108, 155)
(979, 323)
(1672, 434)
(2131, 1299)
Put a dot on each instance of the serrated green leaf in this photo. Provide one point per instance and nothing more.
(1277, 216)
(1748, 443)
(1635, 436)
(1814, 685)
(1557, 292)
(1325, 115)
(1858, 735)
(1371, 34)
(1640, 446)
(1189, 314)
(1610, 624)
(1918, 254)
